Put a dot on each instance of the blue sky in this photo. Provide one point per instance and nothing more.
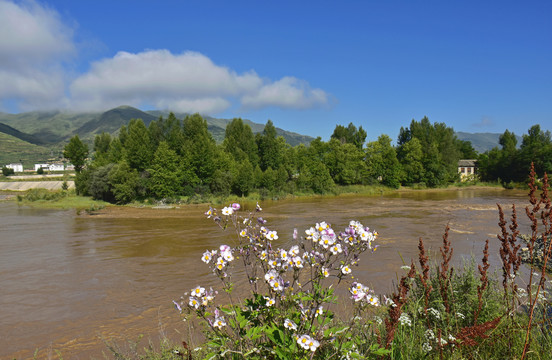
(306, 65)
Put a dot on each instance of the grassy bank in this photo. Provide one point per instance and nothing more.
(61, 199)
(68, 199)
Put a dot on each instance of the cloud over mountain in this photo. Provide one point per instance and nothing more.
(188, 82)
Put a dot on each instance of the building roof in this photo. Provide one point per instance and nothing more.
(467, 163)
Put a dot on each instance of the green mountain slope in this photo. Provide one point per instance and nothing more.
(6, 129)
(48, 126)
(111, 121)
(55, 127)
(14, 150)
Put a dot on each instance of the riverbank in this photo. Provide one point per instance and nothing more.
(153, 209)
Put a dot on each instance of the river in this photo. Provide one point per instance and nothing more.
(71, 282)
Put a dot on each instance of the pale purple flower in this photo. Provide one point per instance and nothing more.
(235, 206)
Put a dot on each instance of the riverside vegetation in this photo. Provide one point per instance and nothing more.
(294, 306)
(173, 159)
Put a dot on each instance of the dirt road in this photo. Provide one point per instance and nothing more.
(27, 185)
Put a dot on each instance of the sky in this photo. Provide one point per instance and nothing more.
(477, 66)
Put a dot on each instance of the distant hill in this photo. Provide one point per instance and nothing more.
(482, 142)
(112, 120)
(51, 127)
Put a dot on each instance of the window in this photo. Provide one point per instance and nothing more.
(462, 170)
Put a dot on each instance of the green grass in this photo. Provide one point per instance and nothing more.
(42, 198)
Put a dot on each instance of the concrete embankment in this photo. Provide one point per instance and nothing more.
(27, 185)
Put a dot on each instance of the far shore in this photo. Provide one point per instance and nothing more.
(102, 209)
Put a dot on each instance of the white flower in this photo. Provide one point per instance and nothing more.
(294, 250)
(243, 233)
(405, 267)
(327, 241)
(271, 275)
(272, 235)
(269, 301)
(283, 254)
(345, 269)
(207, 256)
(321, 226)
(426, 347)
(198, 291)
(336, 249)
(404, 319)
(436, 314)
(263, 255)
(194, 302)
(319, 311)
(308, 343)
(297, 262)
(288, 324)
(227, 211)
(276, 285)
(219, 322)
(325, 272)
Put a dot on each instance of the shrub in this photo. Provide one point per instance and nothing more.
(288, 312)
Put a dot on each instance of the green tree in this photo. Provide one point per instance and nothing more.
(102, 143)
(76, 151)
(382, 162)
(345, 162)
(413, 169)
(271, 147)
(536, 148)
(137, 147)
(239, 141)
(350, 135)
(199, 149)
(165, 179)
(243, 182)
(98, 184)
(124, 183)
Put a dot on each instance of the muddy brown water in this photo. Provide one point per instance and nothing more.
(69, 283)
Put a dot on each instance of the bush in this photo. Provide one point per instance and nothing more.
(287, 314)
(7, 171)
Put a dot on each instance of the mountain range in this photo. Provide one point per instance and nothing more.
(46, 132)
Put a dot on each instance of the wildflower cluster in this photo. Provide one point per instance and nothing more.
(292, 288)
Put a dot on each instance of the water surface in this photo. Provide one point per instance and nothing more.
(69, 282)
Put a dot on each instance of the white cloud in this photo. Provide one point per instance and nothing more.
(288, 92)
(186, 82)
(33, 43)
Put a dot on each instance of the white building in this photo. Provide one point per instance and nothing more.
(56, 167)
(43, 166)
(15, 167)
(50, 167)
(467, 169)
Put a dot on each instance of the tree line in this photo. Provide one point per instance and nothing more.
(510, 163)
(173, 157)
